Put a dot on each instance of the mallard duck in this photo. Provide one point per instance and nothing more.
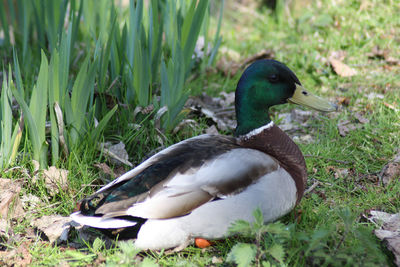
(198, 187)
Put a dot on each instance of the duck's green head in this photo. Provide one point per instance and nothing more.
(266, 83)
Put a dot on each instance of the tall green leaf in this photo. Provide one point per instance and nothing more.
(8, 142)
(77, 105)
(5, 26)
(217, 37)
(38, 109)
(155, 38)
(94, 135)
(54, 96)
(195, 20)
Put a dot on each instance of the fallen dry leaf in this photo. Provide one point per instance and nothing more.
(229, 53)
(227, 99)
(10, 203)
(187, 124)
(341, 173)
(30, 202)
(264, 54)
(219, 110)
(392, 107)
(118, 171)
(341, 69)
(228, 62)
(107, 174)
(378, 53)
(344, 101)
(391, 171)
(389, 231)
(346, 126)
(212, 130)
(374, 95)
(106, 171)
(4, 227)
(228, 68)
(210, 114)
(19, 256)
(230, 65)
(345, 129)
(60, 125)
(116, 153)
(339, 55)
(55, 179)
(392, 61)
(144, 110)
(360, 118)
(55, 227)
(330, 169)
(293, 120)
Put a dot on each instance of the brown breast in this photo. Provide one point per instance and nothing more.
(274, 142)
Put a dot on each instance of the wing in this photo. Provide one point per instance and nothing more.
(181, 178)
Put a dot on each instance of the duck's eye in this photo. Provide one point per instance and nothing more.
(305, 93)
(273, 78)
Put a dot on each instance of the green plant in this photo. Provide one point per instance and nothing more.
(128, 256)
(276, 244)
(9, 140)
(36, 22)
(181, 25)
(209, 58)
(182, 37)
(35, 113)
(70, 92)
(76, 108)
(268, 247)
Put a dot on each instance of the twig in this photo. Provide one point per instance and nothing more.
(83, 188)
(311, 188)
(340, 242)
(112, 84)
(336, 160)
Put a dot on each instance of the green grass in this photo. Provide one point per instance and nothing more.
(328, 226)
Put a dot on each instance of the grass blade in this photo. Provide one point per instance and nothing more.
(195, 26)
(94, 135)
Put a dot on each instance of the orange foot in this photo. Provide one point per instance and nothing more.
(202, 243)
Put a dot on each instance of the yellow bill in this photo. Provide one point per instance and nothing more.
(304, 98)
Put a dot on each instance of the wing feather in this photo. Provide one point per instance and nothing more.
(181, 178)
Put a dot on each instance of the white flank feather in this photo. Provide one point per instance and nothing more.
(100, 222)
(275, 194)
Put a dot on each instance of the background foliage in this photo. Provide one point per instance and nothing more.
(126, 67)
(90, 56)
